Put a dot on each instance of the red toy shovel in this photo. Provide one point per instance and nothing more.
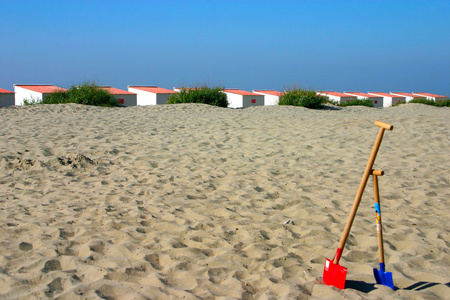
(333, 273)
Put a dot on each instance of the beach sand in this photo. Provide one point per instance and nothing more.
(191, 201)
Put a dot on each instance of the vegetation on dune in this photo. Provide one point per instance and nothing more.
(445, 102)
(358, 102)
(87, 93)
(301, 97)
(203, 94)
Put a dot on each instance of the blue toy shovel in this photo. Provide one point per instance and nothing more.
(381, 276)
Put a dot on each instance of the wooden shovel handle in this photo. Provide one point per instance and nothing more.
(362, 185)
(377, 173)
(384, 125)
(378, 215)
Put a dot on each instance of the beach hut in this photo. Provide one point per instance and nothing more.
(271, 97)
(376, 100)
(408, 97)
(430, 96)
(124, 98)
(150, 95)
(239, 99)
(6, 97)
(337, 97)
(388, 99)
(34, 92)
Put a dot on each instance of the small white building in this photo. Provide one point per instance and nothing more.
(408, 97)
(376, 100)
(388, 99)
(239, 99)
(124, 98)
(6, 97)
(150, 95)
(431, 96)
(34, 92)
(337, 97)
(271, 97)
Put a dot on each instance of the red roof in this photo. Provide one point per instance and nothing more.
(360, 94)
(240, 92)
(404, 94)
(153, 89)
(115, 91)
(428, 95)
(3, 91)
(383, 94)
(335, 94)
(42, 88)
(269, 92)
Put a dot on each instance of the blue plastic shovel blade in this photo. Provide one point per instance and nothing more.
(383, 277)
(377, 277)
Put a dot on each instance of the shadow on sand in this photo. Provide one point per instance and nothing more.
(422, 285)
(368, 287)
(360, 286)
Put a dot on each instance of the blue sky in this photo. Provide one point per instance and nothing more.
(323, 45)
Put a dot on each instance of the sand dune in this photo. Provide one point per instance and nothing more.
(200, 202)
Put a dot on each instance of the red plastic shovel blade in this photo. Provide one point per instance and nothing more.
(334, 274)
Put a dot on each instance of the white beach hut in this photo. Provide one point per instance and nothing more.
(124, 98)
(430, 96)
(34, 92)
(271, 97)
(337, 97)
(376, 100)
(388, 99)
(408, 96)
(239, 99)
(150, 95)
(6, 97)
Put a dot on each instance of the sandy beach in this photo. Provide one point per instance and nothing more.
(191, 201)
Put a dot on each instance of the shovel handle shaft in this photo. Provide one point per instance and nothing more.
(362, 185)
(378, 217)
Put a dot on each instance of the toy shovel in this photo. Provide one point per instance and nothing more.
(381, 276)
(333, 273)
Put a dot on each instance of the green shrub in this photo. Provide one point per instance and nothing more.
(204, 94)
(57, 97)
(91, 94)
(445, 102)
(31, 101)
(300, 97)
(358, 102)
(423, 101)
(87, 94)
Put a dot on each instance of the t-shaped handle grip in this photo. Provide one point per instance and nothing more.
(384, 125)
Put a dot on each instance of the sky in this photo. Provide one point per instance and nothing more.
(322, 45)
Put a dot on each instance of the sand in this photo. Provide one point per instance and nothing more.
(197, 202)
